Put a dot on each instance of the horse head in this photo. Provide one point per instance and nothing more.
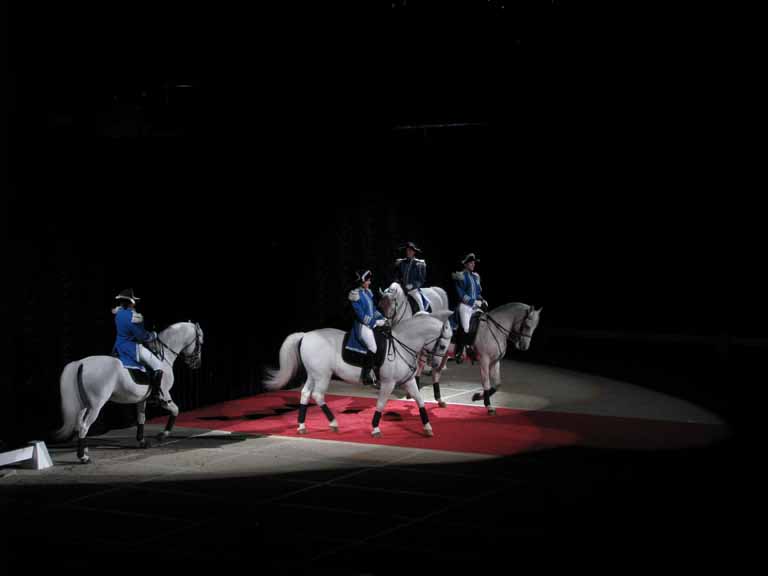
(527, 327)
(393, 302)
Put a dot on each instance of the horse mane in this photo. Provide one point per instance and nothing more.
(510, 306)
(416, 318)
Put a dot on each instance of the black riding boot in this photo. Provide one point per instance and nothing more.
(458, 350)
(366, 375)
(154, 392)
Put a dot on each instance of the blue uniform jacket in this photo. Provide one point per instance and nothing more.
(411, 273)
(130, 333)
(365, 314)
(467, 286)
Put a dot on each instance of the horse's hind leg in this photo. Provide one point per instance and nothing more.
(304, 404)
(82, 432)
(85, 420)
(318, 394)
(141, 418)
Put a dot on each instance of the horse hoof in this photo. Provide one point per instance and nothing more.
(85, 460)
(428, 432)
(376, 433)
(335, 429)
(441, 403)
(491, 411)
(143, 444)
(162, 436)
(301, 431)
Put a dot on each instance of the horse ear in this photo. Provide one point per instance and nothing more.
(539, 310)
(443, 315)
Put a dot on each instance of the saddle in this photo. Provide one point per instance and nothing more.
(359, 358)
(474, 324)
(141, 377)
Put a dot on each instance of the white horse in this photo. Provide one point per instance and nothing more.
(396, 307)
(515, 322)
(319, 352)
(87, 384)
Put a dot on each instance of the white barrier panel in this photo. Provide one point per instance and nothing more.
(34, 456)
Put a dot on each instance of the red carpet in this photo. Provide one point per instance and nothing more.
(457, 428)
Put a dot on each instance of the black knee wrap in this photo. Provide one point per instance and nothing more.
(423, 414)
(376, 419)
(327, 412)
(302, 413)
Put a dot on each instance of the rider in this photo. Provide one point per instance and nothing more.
(468, 288)
(131, 335)
(367, 317)
(411, 272)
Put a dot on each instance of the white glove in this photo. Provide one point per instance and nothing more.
(478, 303)
(408, 287)
(381, 322)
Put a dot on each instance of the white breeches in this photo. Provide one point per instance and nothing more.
(416, 296)
(149, 359)
(366, 335)
(465, 313)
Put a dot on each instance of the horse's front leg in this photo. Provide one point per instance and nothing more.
(496, 375)
(141, 418)
(171, 406)
(384, 392)
(416, 393)
(436, 372)
(486, 380)
(419, 370)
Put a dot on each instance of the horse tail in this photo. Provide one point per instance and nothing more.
(290, 362)
(71, 384)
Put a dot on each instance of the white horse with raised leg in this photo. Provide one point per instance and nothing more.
(319, 352)
(396, 307)
(87, 384)
(514, 322)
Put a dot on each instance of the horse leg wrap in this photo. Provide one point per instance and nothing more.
(302, 413)
(423, 414)
(81, 447)
(436, 387)
(376, 419)
(327, 412)
(487, 397)
(171, 422)
(140, 432)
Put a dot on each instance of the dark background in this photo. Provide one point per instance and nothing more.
(235, 167)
